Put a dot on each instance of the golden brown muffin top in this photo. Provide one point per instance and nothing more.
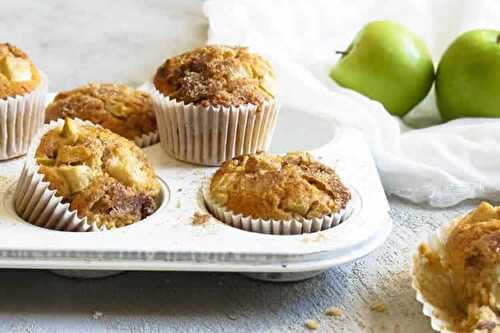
(278, 187)
(103, 176)
(18, 75)
(217, 76)
(119, 108)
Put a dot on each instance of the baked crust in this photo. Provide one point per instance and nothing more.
(217, 76)
(119, 108)
(278, 187)
(18, 75)
(102, 175)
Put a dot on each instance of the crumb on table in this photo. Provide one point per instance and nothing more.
(378, 307)
(200, 218)
(97, 314)
(334, 311)
(312, 324)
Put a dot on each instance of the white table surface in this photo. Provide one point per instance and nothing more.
(124, 41)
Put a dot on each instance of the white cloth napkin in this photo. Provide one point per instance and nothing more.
(441, 165)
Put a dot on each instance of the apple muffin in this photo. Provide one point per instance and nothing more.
(18, 75)
(217, 76)
(214, 103)
(103, 176)
(119, 108)
(22, 96)
(461, 278)
(269, 187)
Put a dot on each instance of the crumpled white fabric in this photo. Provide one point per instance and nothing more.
(440, 165)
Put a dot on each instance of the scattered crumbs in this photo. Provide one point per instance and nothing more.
(97, 315)
(178, 204)
(312, 324)
(379, 307)
(200, 218)
(334, 311)
(232, 317)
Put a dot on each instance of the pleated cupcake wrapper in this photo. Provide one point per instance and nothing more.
(20, 118)
(37, 204)
(274, 227)
(211, 135)
(146, 140)
(435, 241)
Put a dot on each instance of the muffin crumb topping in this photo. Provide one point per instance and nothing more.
(119, 108)
(217, 76)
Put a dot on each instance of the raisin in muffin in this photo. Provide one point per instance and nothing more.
(119, 108)
(461, 278)
(217, 76)
(293, 186)
(18, 75)
(103, 176)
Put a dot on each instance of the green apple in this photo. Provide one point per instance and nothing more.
(389, 63)
(468, 76)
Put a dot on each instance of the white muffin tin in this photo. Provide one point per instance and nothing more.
(168, 240)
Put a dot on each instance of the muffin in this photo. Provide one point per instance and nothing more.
(22, 93)
(214, 103)
(119, 108)
(461, 276)
(102, 176)
(292, 188)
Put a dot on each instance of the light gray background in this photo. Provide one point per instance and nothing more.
(124, 41)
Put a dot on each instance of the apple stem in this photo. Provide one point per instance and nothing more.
(498, 39)
(344, 52)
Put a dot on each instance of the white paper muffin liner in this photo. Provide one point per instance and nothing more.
(211, 135)
(435, 241)
(274, 227)
(37, 204)
(20, 118)
(148, 139)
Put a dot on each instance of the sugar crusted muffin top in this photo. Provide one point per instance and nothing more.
(462, 278)
(18, 75)
(119, 108)
(278, 187)
(216, 75)
(102, 175)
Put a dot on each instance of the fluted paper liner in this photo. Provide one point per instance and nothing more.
(39, 205)
(211, 135)
(148, 139)
(275, 227)
(435, 241)
(20, 118)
